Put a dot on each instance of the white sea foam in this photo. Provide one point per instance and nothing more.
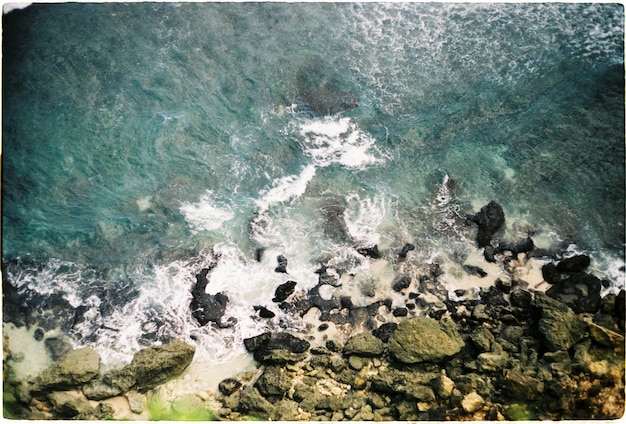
(331, 140)
(206, 214)
(286, 188)
(363, 216)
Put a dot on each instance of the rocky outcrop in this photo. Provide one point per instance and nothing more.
(284, 291)
(559, 325)
(423, 339)
(206, 308)
(76, 368)
(489, 219)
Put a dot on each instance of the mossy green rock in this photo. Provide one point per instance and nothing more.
(423, 339)
(364, 344)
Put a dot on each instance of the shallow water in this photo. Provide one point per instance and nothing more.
(139, 138)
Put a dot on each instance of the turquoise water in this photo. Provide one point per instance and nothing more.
(138, 137)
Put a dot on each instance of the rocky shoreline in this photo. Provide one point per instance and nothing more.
(510, 353)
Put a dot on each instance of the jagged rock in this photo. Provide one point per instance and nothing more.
(70, 404)
(284, 291)
(521, 298)
(385, 331)
(363, 344)
(152, 366)
(74, 369)
(229, 386)
(605, 337)
(475, 270)
(405, 250)
(401, 283)
(491, 361)
(273, 382)
(573, 264)
(372, 252)
(285, 410)
(422, 339)
(559, 325)
(206, 308)
(264, 312)
(251, 402)
(482, 339)
(282, 264)
(472, 402)
(415, 384)
(490, 219)
(443, 386)
(522, 386)
(277, 348)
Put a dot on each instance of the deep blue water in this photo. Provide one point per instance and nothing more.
(136, 137)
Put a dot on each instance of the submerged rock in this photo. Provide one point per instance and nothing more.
(422, 339)
(284, 291)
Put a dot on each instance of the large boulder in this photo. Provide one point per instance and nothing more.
(490, 219)
(423, 339)
(273, 383)
(277, 348)
(559, 325)
(75, 369)
(284, 291)
(152, 366)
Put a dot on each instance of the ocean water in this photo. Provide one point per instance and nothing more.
(142, 140)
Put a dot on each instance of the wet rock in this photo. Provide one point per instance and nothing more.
(38, 334)
(372, 252)
(573, 264)
(277, 348)
(474, 270)
(422, 339)
(405, 250)
(206, 308)
(229, 386)
(401, 283)
(74, 369)
(580, 291)
(264, 312)
(559, 325)
(273, 383)
(57, 347)
(521, 298)
(550, 274)
(282, 264)
(284, 291)
(400, 312)
(490, 219)
(524, 246)
(363, 344)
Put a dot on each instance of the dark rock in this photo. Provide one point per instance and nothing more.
(323, 327)
(414, 384)
(206, 308)
(400, 312)
(335, 226)
(284, 291)
(75, 369)
(559, 325)
(525, 246)
(405, 250)
(372, 252)
(550, 273)
(288, 342)
(483, 339)
(520, 386)
(521, 298)
(277, 348)
(474, 270)
(282, 264)
(264, 312)
(422, 339)
(57, 347)
(490, 219)
(401, 283)
(258, 254)
(255, 343)
(579, 290)
(574, 264)
(273, 382)
(333, 346)
(38, 334)
(620, 305)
